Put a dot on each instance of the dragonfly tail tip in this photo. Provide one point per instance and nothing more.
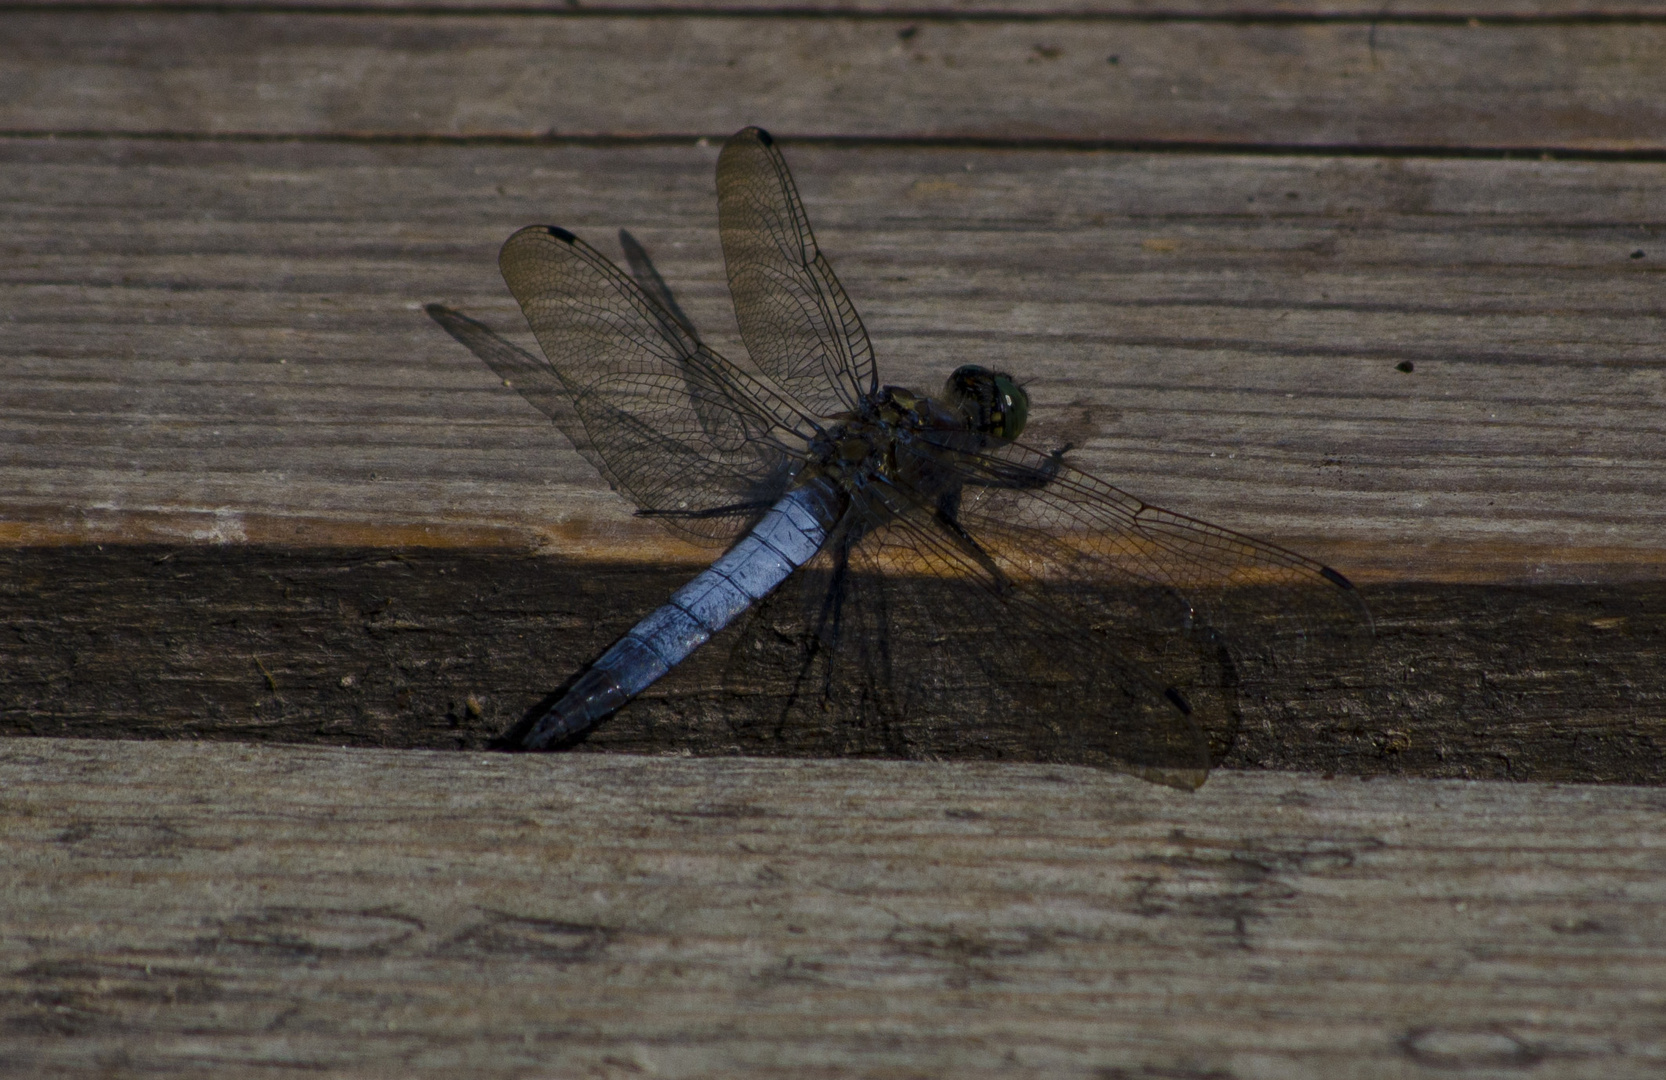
(1335, 578)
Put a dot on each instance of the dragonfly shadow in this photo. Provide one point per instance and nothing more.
(514, 738)
(647, 275)
(908, 668)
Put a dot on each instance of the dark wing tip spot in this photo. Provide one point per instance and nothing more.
(1178, 700)
(764, 137)
(1334, 578)
(561, 234)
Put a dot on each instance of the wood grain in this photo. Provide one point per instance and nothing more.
(248, 491)
(449, 649)
(1374, 11)
(226, 343)
(1580, 85)
(196, 908)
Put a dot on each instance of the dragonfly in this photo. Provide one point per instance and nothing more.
(911, 579)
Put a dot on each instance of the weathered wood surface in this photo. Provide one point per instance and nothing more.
(226, 343)
(222, 342)
(1371, 11)
(1574, 85)
(353, 913)
(213, 345)
(448, 649)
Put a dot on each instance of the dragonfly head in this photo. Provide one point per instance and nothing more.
(992, 402)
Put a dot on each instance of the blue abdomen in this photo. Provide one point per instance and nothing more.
(788, 536)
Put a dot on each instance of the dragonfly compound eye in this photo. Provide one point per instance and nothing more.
(990, 400)
(1014, 405)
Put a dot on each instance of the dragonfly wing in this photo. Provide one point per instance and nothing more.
(1066, 525)
(799, 326)
(681, 329)
(1113, 678)
(676, 428)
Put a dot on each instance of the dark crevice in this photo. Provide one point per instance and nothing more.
(859, 142)
(573, 9)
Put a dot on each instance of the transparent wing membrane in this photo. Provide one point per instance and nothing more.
(1074, 527)
(672, 425)
(966, 642)
(799, 326)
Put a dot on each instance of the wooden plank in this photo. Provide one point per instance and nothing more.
(226, 343)
(187, 909)
(449, 649)
(1574, 86)
(218, 345)
(1237, 10)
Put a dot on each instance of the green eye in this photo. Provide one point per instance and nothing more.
(991, 402)
(1014, 406)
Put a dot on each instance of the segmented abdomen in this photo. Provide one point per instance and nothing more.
(788, 536)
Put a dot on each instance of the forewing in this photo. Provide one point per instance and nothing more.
(799, 326)
(669, 423)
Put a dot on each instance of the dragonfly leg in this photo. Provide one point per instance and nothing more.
(948, 516)
(1022, 477)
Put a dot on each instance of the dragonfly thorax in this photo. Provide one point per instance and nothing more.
(895, 440)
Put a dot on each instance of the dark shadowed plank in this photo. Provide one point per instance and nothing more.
(449, 649)
(179, 909)
(225, 344)
(1577, 85)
